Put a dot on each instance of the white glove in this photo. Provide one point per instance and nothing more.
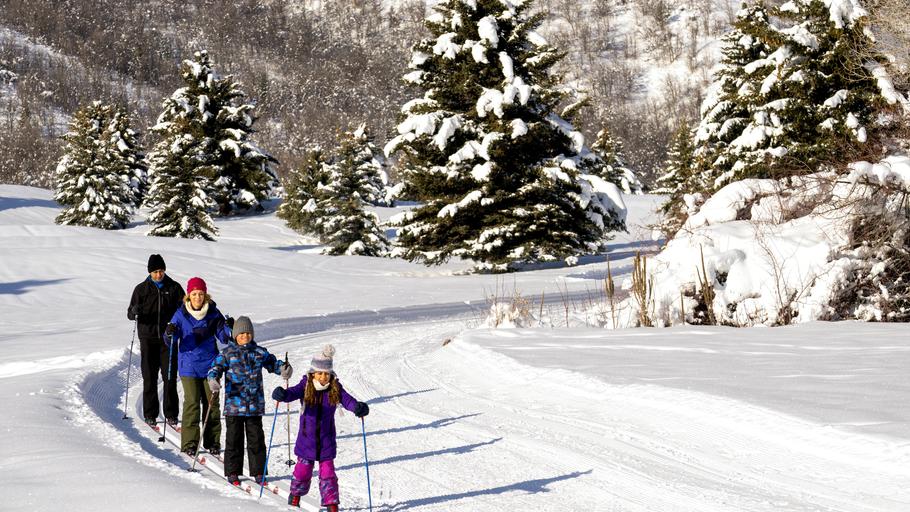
(286, 371)
(214, 385)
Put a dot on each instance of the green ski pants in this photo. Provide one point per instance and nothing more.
(196, 396)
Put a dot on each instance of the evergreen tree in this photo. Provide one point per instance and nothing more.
(612, 166)
(369, 165)
(211, 110)
(496, 169)
(794, 94)
(177, 197)
(97, 180)
(725, 111)
(676, 178)
(125, 141)
(346, 226)
(302, 186)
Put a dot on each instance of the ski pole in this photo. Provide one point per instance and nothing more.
(287, 384)
(265, 470)
(170, 367)
(129, 367)
(205, 422)
(366, 462)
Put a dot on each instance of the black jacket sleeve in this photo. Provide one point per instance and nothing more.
(134, 304)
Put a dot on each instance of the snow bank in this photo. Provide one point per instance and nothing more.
(776, 252)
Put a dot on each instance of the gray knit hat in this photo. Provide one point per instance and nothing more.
(241, 325)
(323, 361)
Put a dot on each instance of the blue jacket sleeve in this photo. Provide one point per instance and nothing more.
(222, 333)
(271, 363)
(219, 366)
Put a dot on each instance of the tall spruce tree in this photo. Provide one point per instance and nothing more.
(210, 109)
(98, 179)
(301, 193)
(177, 199)
(495, 167)
(186, 161)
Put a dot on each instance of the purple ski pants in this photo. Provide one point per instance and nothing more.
(328, 481)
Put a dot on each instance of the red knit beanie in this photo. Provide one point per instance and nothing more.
(195, 283)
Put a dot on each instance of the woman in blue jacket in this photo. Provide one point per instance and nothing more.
(199, 331)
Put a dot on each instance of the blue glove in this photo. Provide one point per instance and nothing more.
(279, 394)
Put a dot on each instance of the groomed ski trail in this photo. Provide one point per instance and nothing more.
(454, 426)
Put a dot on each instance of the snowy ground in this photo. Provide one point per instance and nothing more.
(811, 417)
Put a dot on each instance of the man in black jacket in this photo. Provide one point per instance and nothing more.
(153, 305)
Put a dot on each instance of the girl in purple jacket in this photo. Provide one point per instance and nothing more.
(320, 393)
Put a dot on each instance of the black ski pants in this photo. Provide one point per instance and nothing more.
(237, 426)
(154, 361)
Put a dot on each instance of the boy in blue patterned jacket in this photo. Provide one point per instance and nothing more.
(242, 363)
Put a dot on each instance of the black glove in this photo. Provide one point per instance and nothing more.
(279, 394)
(361, 410)
(133, 312)
(229, 321)
(170, 329)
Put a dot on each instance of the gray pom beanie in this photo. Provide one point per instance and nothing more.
(323, 361)
(241, 325)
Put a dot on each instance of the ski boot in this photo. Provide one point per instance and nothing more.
(331, 508)
(293, 501)
(233, 480)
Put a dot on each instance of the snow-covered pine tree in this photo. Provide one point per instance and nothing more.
(612, 166)
(177, 199)
(725, 110)
(495, 167)
(126, 142)
(676, 177)
(93, 179)
(301, 190)
(345, 224)
(795, 93)
(211, 109)
(368, 163)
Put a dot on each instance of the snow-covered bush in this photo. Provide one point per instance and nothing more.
(790, 230)
(825, 246)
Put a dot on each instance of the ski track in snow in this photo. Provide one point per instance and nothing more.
(505, 436)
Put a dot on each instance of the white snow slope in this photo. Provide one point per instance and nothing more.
(811, 417)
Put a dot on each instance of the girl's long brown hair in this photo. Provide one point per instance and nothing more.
(309, 394)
